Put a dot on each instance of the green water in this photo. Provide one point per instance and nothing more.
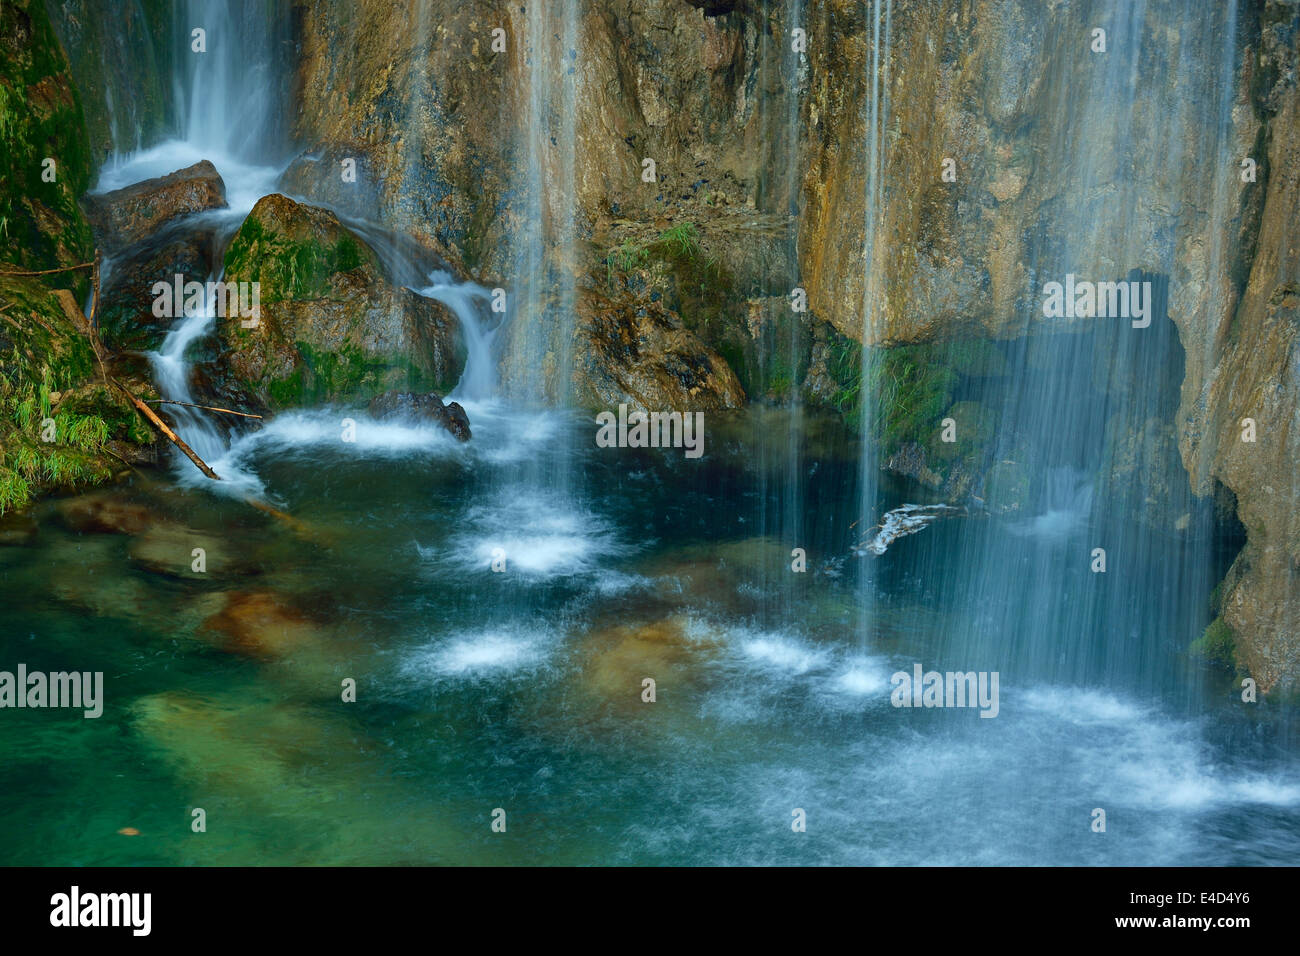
(522, 690)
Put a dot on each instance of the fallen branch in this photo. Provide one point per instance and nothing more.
(171, 435)
(206, 408)
(87, 325)
(45, 272)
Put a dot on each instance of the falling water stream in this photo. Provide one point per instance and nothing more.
(522, 688)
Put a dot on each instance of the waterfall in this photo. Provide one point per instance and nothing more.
(873, 287)
(1074, 581)
(231, 98)
(778, 436)
(172, 373)
(542, 318)
(466, 300)
(231, 101)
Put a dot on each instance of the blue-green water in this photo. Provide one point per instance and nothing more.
(522, 689)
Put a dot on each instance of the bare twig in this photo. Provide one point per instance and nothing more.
(206, 408)
(171, 435)
(46, 272)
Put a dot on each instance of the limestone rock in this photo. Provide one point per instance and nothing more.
(127, 215)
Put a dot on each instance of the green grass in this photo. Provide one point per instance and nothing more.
(678, 244)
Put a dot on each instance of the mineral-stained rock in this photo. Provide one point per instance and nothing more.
(430, 407)
(128, 215)
(638, 350)
(258, 624)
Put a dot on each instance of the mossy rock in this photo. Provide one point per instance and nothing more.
(334, 327)
(43, 138)
(974, 426)
(1218, 645)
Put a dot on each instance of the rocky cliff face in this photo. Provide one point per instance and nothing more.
(739, 194)
(1256, 375)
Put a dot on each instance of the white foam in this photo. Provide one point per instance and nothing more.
(539, 535)
(246, 183)
(485, 654)
(783, 653)
(863, 677)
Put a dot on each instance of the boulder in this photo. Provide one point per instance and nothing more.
(124, 216)
(258, 624)
(334, 324)
(413, 407)
(640, 352)
(126, 310)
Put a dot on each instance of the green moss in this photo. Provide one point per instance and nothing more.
(346, 375)
(1218, 645)
(844, 363)
(973, 427)
(911, 389)
(289, 268)
(41, 352)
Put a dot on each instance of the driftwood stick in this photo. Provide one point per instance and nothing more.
(171, 435)
(206, 408)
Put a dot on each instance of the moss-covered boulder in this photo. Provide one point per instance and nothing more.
(333, 325)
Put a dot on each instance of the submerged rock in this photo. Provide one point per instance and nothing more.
(173, 551)
(127, 215)
(414, 407)
(258, 624)
(17, 529)
(104, 514)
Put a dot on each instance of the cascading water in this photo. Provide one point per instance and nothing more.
(880, 18)
(230, 105)
(1091, 511)
(468, 300)
(542, 319)
(524, 687)
(172, 373)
